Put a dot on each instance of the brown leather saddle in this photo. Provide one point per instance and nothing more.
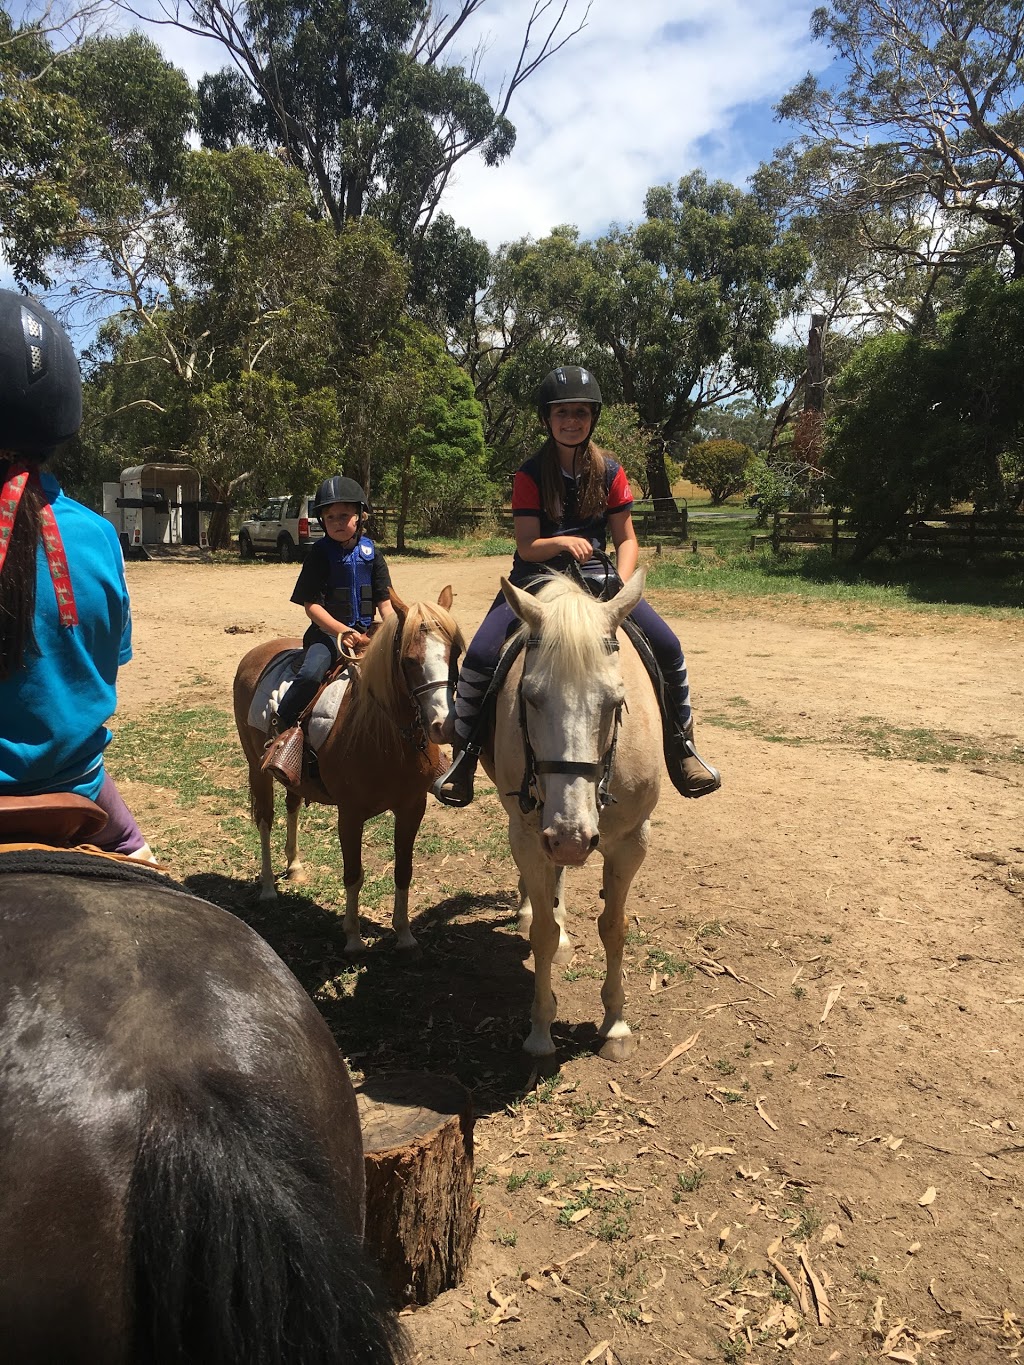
(60, 819)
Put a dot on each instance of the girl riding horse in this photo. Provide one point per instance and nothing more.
(565, 500)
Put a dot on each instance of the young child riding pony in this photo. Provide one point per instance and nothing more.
(565, 500)
(343, 582)
(65, 622)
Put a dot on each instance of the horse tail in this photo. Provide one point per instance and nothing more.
(240, 1250)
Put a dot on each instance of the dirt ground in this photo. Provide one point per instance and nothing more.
(817, 1151)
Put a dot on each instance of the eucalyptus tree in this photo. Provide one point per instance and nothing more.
(368, 100)
(917, 151)
(682, 308)
(92, 137)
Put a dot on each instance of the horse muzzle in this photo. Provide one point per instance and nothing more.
(568, 847)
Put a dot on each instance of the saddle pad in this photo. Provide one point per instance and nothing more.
(275, 681)
(325, 711)
(271, 686)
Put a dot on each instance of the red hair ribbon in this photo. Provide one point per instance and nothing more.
(17, 480)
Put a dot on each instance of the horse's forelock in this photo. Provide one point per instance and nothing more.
(435, 617)
(573, 631)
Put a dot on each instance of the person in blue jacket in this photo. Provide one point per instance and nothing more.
(343, 583)
(65, 619)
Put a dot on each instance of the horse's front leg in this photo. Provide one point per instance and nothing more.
(261, 801)
(407, 825)
(539, 878)
(563, 954)
(620, 867)
(350, 837)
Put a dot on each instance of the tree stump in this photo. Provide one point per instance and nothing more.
(421, 1216)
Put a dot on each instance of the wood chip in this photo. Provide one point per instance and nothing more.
(762, 1114)
(833, 996)
(677, 1051)
(928, 1197)
(821, 1302)
(599, 1350)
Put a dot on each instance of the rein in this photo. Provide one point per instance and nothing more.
(599, 772)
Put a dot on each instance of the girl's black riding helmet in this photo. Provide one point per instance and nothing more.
(40, 383)
(568, 384)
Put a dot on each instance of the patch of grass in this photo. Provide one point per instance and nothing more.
(505, 1237)
(687, 1182)
(517, 1180)
(868, 1275)
(668, 965)
(724, 1067)
(992, 586)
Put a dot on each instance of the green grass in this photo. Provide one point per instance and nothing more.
(913, 581)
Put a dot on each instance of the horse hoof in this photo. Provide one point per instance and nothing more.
(297, 876)
(618, 1049)
(268, 895)
(354, 946)
(563, 954)
(407, 945)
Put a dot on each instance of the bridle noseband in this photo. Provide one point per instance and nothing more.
(599, 772)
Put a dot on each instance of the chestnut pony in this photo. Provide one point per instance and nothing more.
(181, 1165)
(381, 753)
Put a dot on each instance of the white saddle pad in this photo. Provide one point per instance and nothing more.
(273, 686)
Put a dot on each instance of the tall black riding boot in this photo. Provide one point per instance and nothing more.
(689, 773)
(455, 787)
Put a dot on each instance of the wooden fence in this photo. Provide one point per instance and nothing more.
(970, 532)
(652, 523)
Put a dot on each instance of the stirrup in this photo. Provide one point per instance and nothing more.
(455, 787)
(681, 763)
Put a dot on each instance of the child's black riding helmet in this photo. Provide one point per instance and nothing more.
(339, 488)
(40, 383)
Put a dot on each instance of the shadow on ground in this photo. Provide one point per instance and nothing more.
(458, 1005)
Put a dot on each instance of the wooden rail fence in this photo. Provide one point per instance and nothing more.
(973, 532)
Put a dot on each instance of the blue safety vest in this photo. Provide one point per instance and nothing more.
(349, 596)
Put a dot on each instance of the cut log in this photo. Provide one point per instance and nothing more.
(421, 1216)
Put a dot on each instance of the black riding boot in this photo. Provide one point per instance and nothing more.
(455, 787)
(689, 773)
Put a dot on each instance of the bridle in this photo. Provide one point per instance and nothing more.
(414, 733)
(599, 772)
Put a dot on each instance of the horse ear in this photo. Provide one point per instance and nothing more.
(626, 598)
(397, 603)
(525, 607)
(446, 598)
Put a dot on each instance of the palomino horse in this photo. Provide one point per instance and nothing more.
(381, 753)
(577, 762)
(181, 1165)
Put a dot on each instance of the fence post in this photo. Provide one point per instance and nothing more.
(835, 535)
(776, 531)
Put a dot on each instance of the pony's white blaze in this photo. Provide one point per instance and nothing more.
(435, 694)
(573, 681)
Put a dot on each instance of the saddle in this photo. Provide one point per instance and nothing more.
(57, 819)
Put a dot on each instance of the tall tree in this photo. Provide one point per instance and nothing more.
(920, 147)
(92, 134)
(685, 304)
(364, 97)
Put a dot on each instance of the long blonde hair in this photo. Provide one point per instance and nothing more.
(592, 492)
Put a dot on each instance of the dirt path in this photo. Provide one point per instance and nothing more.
(841, 929)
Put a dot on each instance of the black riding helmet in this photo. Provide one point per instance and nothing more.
(569, 384)
(339, 488)
(40, 383)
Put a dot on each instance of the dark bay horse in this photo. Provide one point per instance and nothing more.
(381, 754)
(181, 1167)
(576, 759)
